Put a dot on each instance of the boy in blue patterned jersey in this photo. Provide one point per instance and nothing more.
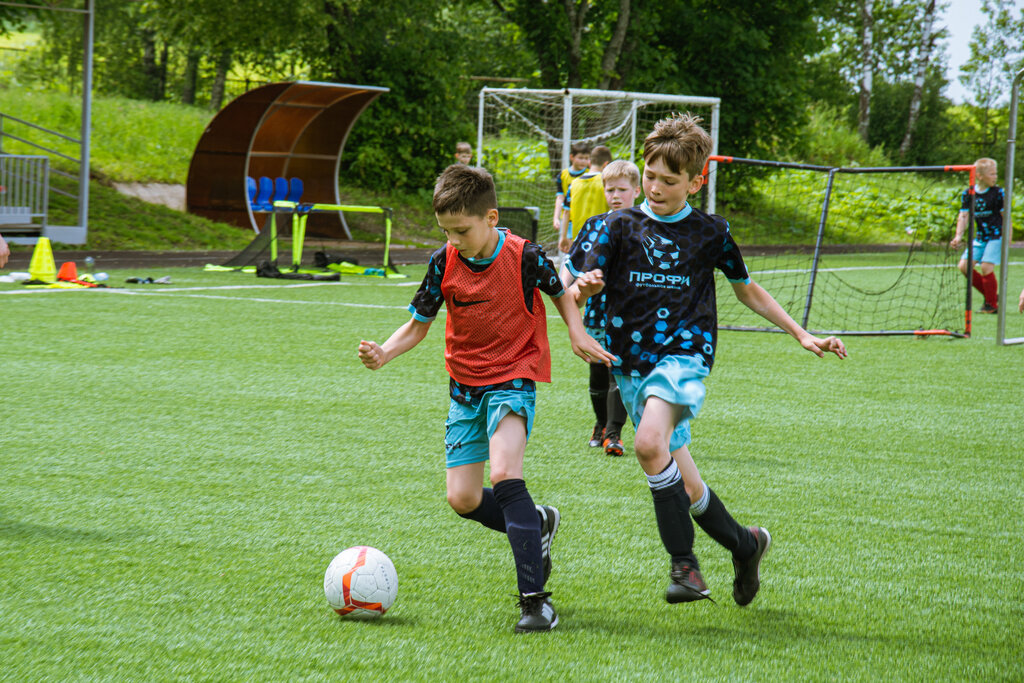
(656, 263)
(621, 182)
(496, 349)
(988, 238)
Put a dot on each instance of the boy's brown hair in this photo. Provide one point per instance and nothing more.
(681, 143)
(464, 189)
(600, 155)
(463, 147)
(621, 169)
(579, 148)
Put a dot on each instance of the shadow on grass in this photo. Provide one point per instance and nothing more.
(12, 528)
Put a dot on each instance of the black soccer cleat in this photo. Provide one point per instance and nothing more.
(597, 436)
(748, 572)
(988, 309)
(686, 584)
(537, 613)
(613, 444)
(549, 520)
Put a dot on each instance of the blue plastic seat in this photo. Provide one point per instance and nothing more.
(264, 191)
(295, 190)
(280, 190)
(250, 188)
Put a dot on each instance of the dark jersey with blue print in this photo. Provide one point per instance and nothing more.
(659, 274)
(537, 273)
(593, 310)
(988, 212)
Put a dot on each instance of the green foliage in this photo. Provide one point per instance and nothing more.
(827, 140)
(119, 222)
(132, 140)
(189, 541)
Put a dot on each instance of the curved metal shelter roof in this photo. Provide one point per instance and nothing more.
(291, 129)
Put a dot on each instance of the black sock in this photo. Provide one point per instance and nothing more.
(522, 524)
(599, 392)
(616, 411)
(720, 525)
(488, 512)
(672, 511)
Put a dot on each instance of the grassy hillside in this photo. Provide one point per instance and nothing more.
(153, 142)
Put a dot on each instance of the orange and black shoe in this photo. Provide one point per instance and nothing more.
(597, 437)
(613, 444)
(988, 308)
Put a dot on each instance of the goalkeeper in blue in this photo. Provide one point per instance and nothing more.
(656, 263)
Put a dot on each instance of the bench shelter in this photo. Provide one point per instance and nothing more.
(288, 130)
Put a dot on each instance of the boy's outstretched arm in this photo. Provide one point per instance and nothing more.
(761, 302)
(583, 345)
(375, 356)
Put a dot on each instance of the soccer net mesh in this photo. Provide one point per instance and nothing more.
(524, 136)
(846, 250)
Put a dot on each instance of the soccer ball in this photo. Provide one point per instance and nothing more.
(361, 583)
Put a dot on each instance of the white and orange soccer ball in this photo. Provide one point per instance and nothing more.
(361, 583)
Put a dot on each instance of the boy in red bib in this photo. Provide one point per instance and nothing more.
(496, 349)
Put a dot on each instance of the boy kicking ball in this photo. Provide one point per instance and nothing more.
(496, 349)
(656, 264)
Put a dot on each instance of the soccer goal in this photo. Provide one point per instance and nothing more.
(524, 136)
(848, 250)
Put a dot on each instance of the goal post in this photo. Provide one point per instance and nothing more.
(1011, 146)
(524, 136)
(848, 250)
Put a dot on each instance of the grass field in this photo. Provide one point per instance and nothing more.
(182, 463)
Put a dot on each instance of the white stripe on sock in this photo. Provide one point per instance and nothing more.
(700, 507)
(669, 476)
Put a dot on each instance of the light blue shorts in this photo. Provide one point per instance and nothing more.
(679, 380)
(468, 430)
(990, 251)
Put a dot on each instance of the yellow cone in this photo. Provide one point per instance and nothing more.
(42, 267)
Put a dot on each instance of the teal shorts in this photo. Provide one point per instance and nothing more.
(989, 251)
(468, 430)
(679, 380)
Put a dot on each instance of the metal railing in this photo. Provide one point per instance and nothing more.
(41, 143)
(24, 194)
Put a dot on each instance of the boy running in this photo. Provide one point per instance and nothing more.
(988, 240)
(656, 262)
(621, 183)
(496, 349)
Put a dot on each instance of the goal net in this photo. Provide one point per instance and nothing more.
(847, 250)
(524, 136)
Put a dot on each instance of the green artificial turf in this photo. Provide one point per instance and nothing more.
(180, 464)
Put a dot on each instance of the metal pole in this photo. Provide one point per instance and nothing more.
(83, 171)
(566, 128)
(713, 166)
(632, 130)
(1011, 144)
(817, 247)
(479, 130)
(968, 313)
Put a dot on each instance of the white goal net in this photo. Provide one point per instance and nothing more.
(524, 136)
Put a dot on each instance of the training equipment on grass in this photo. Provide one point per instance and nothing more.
(361, 583)
(42, 266)
(846, 250)
(524, 136)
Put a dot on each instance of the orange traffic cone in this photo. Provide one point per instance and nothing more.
(68, 272)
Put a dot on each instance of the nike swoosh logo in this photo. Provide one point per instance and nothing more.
(455, 300)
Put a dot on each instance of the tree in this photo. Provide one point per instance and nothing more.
(867, 70)
(924, 52)
(997, 53)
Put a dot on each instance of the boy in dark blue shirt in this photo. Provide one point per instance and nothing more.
(987, 247)
(656, 264)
